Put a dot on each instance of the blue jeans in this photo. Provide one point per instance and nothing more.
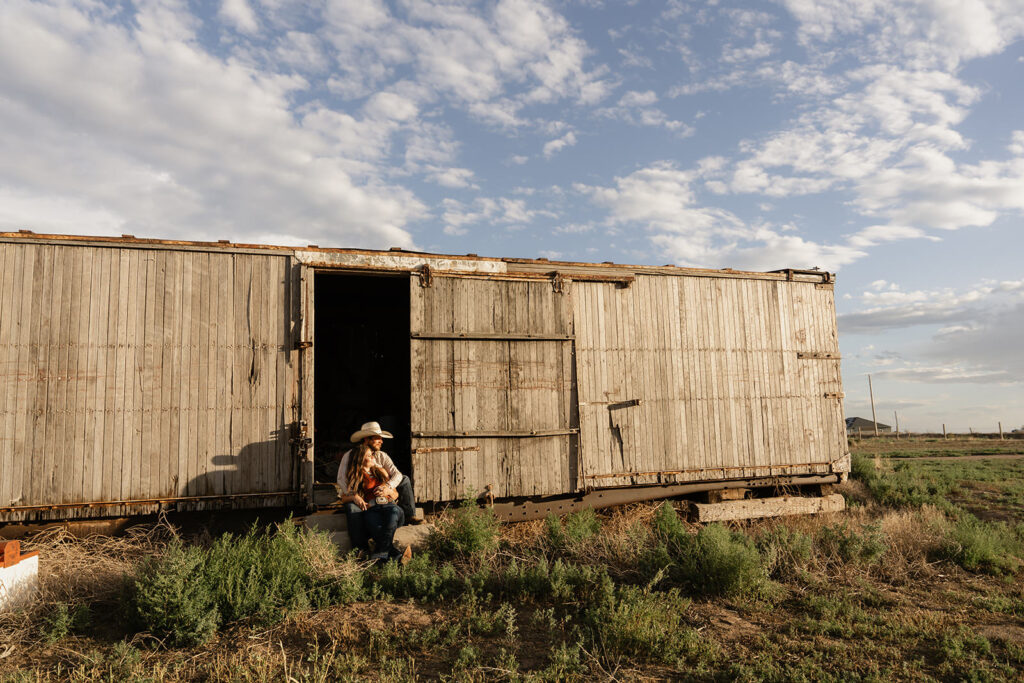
(378, 522)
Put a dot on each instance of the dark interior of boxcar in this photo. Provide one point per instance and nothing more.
(361, 371)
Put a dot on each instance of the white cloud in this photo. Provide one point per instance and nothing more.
(555, 146)
(878, 234)
(166, 139)
(660, 199)
(452, 177)
(472, 57)
(887, 306)
(458, 216)
(925, 33)
(240, 14)
(635, 98)
(636, 108)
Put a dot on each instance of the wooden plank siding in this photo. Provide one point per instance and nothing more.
(135, 375)
(503, 384)
(686, 379)
(144, 372)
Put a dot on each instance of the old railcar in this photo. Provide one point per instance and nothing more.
(139, 375)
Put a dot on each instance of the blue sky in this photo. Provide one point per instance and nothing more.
(880, 139)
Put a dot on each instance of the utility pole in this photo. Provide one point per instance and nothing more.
(897, 419)
(871, 392)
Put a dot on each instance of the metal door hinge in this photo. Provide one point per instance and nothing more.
(558, 282)
(426, 276)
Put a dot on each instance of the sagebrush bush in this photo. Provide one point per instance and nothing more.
(839, 544)
(638, 622)
(421, 579)
(64, 619)
(468, 532)
(185, 594)
(576, 528)
(715, 561)
(171, 597)
(259, 575)
(559, 581)
(977, 545)
(786, 552)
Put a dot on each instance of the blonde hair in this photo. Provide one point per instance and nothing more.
(354, 474)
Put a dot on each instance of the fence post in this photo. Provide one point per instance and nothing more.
(1000, 431)
(943, 430)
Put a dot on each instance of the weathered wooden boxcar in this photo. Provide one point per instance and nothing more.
(138, 375)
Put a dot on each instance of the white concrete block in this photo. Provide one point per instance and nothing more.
(18, 583)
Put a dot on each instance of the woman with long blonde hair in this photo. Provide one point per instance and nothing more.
(369, 498)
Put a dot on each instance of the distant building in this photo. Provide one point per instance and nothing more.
(855, 423)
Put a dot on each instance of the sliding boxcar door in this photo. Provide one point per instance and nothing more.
(492, 387)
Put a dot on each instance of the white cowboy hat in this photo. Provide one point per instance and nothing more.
(370, 429)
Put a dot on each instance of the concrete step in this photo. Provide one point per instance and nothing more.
(335, 520)
(326, 520)
(325, 494)
(414, 536)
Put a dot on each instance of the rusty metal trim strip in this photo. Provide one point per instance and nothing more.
(817, 355)
(494, 434)
(624, 280)
(487, 336)
(620, 475)
(438, 449)
(146, 501)
(523, 510)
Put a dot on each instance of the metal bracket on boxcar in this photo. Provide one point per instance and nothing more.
(302, 441)
(558, 282)
(299, 345)
(426, 276)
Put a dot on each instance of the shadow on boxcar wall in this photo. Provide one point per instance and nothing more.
(259, 467)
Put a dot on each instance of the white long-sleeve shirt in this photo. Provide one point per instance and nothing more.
(381, 458)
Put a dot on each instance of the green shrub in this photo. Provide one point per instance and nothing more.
(65, 619)
(467, 533)
(259, 576)
(563, 663)
(421, 579)
(976, 545)
(786, 552)
(573, 530)
(726, 563)
(638, 622)
(838, 544)
(171, 597)
(559, 581)
(186, 593)
(716, 561)
(862, 468)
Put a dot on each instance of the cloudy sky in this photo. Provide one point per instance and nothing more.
(880, 139)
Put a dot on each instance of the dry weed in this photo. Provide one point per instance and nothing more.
(75, 571)
(911, 536)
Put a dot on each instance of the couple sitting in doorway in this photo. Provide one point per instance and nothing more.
(378, 498)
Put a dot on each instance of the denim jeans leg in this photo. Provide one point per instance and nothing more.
(382, 521)
(357, 531)
(406, 499)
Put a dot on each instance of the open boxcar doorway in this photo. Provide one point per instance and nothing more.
(361, 373)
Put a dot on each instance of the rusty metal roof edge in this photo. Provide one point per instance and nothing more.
(540, 264)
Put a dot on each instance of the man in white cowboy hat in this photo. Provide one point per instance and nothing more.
(398, 484)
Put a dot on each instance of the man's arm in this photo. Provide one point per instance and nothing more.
(342, 469)
(384, 460)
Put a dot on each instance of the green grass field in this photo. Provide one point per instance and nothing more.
(920, 579)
